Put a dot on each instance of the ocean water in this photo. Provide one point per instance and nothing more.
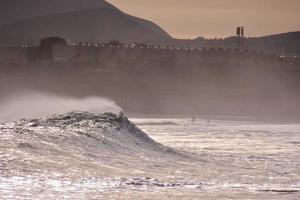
(105, 156)
(259, 157)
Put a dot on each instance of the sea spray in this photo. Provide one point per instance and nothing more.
(36, 105)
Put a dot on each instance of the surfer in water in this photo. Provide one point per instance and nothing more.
(208, 120)
(194, 119)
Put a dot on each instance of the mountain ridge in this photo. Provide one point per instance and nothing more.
(17, 10)
(104, 22)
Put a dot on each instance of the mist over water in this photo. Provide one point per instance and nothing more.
(37, 104)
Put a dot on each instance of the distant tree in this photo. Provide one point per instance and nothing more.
(45, 48)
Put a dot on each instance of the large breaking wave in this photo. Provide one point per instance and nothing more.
(77, 141)
(80, 149)
(53, 133)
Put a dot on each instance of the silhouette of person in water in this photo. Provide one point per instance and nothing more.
(208, 120)
(194, 119)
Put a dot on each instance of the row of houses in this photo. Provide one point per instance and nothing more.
(96, 53)
(89, 53)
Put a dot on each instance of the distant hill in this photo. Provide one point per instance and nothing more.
(276, 43)
(27, 21)
(283, 36)
(284, 42)
(16, 10)
(76, 20)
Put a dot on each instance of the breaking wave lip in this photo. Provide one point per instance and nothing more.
(36, 105)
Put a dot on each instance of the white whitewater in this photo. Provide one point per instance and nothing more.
(33, 104)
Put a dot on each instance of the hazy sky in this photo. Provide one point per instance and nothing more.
(192, 18)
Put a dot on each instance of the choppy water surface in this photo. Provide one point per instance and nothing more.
(255, 156)
(87, 156)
